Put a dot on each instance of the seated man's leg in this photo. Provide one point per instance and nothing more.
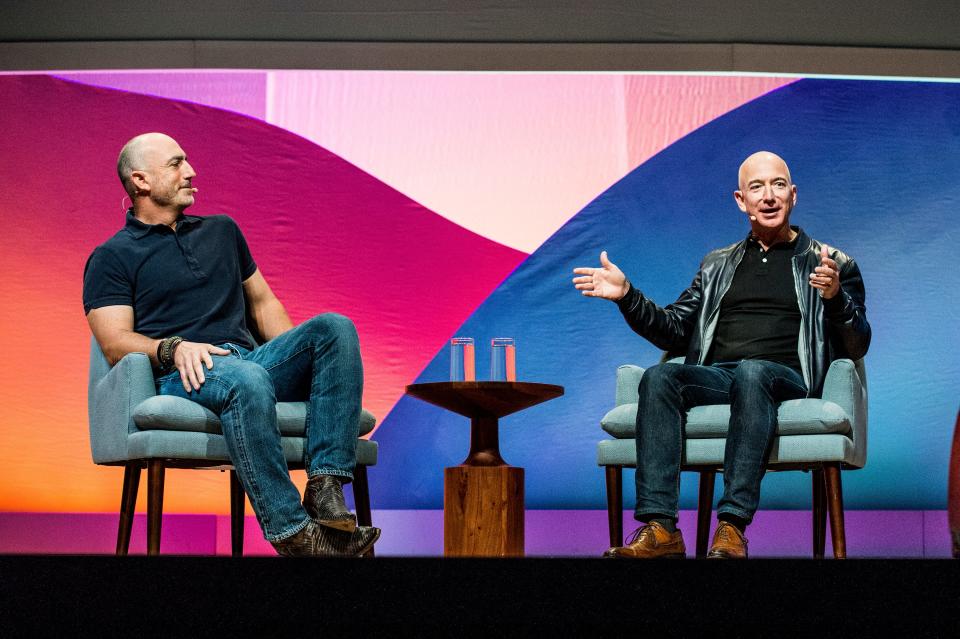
(758, 387)
(667, 391)
(319, 361)
(241, 393)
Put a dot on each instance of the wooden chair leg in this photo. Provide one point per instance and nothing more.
(819, 513)
(128, 505)
(704, 510)
(615, 504)
(238, 503)
(361, 496)
(155, 473)
(835, 503)
(361, 500)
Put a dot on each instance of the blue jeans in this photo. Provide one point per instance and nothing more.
(317, 361)
(753, 388)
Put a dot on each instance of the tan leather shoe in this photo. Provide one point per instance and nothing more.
(728, 543)
(652, 541)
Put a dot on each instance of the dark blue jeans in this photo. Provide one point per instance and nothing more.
(753, 388)
(317, 361)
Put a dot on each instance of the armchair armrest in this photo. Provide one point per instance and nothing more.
(628, 383)
(110, 405)
(846, 386)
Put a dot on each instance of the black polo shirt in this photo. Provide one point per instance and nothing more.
(759, 315)
(186, 283)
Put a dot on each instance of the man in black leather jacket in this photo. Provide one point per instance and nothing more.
(760, 324)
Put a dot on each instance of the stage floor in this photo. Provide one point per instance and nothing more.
(152, 596)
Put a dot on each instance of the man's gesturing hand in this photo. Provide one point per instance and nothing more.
(607, 282)
(189, 359)
(826, 277)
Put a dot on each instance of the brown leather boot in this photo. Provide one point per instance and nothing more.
(652, 541)
(728, 543)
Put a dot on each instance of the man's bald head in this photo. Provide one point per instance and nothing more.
(767, 195)
(758, 161)
(135, 156)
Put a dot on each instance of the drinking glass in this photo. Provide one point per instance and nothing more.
(462, 368)
(503, 359)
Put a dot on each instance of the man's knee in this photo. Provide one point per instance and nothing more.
(249, 379)
(751, 373)
(332, 324)
(753, 378)
(657, 378)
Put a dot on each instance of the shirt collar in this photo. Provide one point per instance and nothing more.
(138, 229)
(798, 244)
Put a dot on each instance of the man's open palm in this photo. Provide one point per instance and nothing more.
(607, 282)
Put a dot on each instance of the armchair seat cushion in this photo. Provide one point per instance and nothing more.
(168, 412)
(795, 417)
(792, 449)
(177, 444)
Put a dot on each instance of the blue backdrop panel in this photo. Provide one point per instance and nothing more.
(877, 165)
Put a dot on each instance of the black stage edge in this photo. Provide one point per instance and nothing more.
(260, 596)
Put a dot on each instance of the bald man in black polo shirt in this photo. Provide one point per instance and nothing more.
(181, 288)
(760, 324)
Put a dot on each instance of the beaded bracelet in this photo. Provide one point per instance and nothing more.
(166, 349)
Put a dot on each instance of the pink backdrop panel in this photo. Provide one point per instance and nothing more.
(510, 156)
(327, 236)
(240, 91)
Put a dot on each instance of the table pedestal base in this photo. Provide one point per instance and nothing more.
(483, 511)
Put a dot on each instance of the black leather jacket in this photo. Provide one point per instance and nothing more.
(829, 329)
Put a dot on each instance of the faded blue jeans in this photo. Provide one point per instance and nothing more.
(317, 361)
(753, 388)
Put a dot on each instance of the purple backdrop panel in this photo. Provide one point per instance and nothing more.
(96, 533)
(411, 533)
(406, 533)
(936, 534)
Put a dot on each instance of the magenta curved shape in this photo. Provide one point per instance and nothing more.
(326, 235)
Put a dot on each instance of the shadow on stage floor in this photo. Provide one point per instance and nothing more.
(272, 596)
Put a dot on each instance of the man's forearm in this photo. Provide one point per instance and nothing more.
(271, 319)
(847, 314)
(125, 342)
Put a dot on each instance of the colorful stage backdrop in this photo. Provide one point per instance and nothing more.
(427, 205)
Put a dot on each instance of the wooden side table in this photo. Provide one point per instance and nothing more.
(483, 497)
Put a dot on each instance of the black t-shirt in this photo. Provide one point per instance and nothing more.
(186, 283)
(759, 314)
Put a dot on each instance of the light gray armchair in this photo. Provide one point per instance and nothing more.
(820, 435)
(132, 426)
